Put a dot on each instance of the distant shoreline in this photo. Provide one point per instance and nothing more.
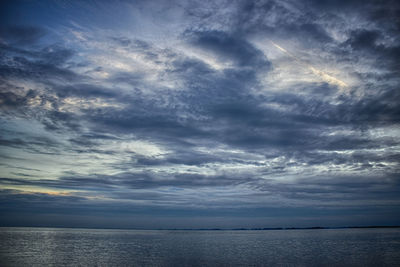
(282, 228)
(217, 229)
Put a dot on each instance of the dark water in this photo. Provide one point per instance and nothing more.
(87, 247)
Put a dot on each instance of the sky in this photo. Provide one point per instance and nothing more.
(199, 114)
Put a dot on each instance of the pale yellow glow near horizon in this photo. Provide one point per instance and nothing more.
(323, 75)
(24, 189)
(34, 190)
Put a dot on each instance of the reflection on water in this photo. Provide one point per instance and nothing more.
(88, 247)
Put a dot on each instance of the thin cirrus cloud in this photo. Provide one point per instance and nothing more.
(184, 114)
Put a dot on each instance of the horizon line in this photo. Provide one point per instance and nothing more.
(217, 229)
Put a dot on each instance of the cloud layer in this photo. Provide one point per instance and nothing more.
(198, 114)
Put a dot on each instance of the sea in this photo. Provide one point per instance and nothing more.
(101, 247)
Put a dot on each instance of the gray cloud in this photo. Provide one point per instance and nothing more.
(208, 116)
(229, 48)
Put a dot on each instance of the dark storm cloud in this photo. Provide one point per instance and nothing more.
(12, 100)
(61, 121)
(229, 47)
(367, 43)
(274, 19)
(84, 90)
(41, 66)
(380, 109)
(361, 190)
(142, 180)
(26, 143)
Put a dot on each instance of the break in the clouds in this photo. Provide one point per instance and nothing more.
(160, 114)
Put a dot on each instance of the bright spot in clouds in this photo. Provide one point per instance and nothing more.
(324, 76)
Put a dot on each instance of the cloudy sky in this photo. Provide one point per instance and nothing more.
(198, 114)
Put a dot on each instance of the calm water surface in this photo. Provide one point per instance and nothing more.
(87, 247)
